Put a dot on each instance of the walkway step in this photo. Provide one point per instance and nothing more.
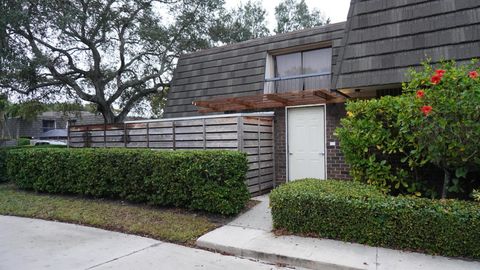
(324, 254)
(290, 250)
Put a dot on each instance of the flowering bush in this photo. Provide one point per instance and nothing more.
(394, 142)
(449, 130)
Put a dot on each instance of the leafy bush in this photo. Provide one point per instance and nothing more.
(377, 144)
(3, 165)
(4, 153)
(355, 212)
(212, 181)
(447, 126)
(23, 142)
(394, 142)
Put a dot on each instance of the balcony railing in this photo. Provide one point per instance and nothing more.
(297, 83)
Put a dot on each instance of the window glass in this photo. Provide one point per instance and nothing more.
(289, 65)
(48, 125)
(317, 61)
(307, 70)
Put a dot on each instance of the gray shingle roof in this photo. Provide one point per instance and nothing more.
(384, 38)
(236, 69)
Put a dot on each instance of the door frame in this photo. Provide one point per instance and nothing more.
(287, 156)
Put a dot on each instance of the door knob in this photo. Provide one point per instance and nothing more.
(321, 154)
(291, 154)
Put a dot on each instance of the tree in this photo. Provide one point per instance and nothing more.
(112, 53)
(292, 15)
(246, 22)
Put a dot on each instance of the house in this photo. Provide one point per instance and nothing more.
(306, 76)
(48, 125)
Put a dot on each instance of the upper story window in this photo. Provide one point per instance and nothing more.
(306, 70)
(48, 125)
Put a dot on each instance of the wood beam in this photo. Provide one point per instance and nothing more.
(336, 100)
(277, 98)
(326, 94)
(205, 104)
(247, 104)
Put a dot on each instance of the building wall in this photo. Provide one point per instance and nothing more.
(280, 147)
(336, 166)
(34, 128)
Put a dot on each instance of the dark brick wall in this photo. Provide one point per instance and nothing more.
(336, 167)
(280, 147)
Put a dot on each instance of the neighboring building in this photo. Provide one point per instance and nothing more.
(49, 125)
(305, 76)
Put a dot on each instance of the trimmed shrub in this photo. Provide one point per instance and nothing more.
(23, 142)
(3, 165)
(4, 152)
(355, 212)
(211, 181)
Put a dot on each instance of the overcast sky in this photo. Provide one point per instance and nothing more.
(336, 10)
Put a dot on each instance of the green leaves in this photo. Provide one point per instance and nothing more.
(377, 145)
(212, 181)
(294, 15)
(355, 212)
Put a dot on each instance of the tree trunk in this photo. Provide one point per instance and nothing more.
(446, 182)
(107, 113)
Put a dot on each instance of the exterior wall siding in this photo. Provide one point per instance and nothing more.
(280, 147)
(238, 69)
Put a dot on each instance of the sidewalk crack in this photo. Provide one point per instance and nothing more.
(123, 256)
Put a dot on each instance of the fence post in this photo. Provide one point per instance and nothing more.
(173, 136)
(148, 135)
(204, 135)
(125, 134)
(240, 133)
(274, 157)
(68, 133)
(104, 134)
(259, 156)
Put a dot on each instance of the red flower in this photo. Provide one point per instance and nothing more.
(426, 110)
(473, 74)
(440, 72)
(436, 79)
(420, 94)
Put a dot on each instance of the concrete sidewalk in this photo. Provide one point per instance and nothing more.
(250, 236)
(36, 244)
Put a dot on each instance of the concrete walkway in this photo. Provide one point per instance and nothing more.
(250, 236)
(37, 244)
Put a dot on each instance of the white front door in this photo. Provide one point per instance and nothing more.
(306, 142)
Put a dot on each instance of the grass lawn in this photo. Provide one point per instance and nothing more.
(172, 225)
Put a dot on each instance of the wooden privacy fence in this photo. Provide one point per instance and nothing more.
(251, 133)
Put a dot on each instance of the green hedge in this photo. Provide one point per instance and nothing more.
(4, 153)
(355, 212)
(211, 181)
(3, 165)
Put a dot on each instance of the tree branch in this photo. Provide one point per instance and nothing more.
(137, 97)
